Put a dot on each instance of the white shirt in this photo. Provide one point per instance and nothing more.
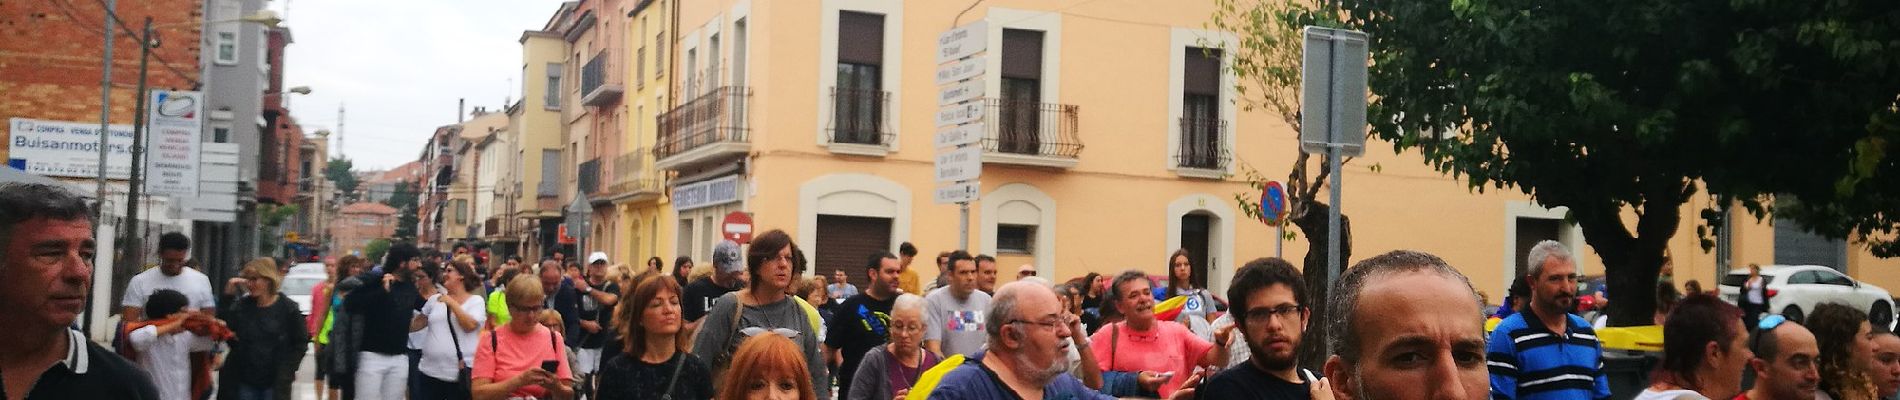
(168, 359)
(193, 284)
(438, 351)
(1678, 394)
(1754, 289)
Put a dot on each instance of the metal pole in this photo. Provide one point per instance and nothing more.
(1334, 264)
(1279, 239)
(134, 251)
(963, 226)
(105, 114)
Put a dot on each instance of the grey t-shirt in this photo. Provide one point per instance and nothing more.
(716, 343)
(957, 324)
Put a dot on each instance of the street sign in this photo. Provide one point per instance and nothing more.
(961, 192)
(962, 41)
(959, 135)
(172, 130)
(963, 164)
(737, 227)
(959, 92)
(1273, 204)
(1333, 91)
(578, 214)
(959, 70)
(959, 113)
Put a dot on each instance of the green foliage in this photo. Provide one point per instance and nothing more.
(1606, 107)
(271, 217)
(338, 170)
(404, 200)
(375, 249)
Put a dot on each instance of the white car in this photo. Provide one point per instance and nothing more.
(1794, 290)
(298, 287)
(309, 268)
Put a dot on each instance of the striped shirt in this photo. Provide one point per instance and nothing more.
(1529, 362)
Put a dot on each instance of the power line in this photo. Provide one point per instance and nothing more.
(141, 39)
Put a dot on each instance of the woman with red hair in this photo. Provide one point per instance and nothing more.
(767, 366)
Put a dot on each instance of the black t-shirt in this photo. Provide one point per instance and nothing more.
(591, 310)
(856, 326)
(699, 297)
(627, 377)
(1246, 381)
(91, 372)
(385, 313)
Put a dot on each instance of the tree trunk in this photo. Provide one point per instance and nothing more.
(1631, 261)
(1314, 345)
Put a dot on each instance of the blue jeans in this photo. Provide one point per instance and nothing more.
(248, 392)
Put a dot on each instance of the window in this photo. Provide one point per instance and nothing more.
(1804, 277)
(552, 100)
(659, 57)
(227, 48)
(1831, 278)
(550, 185)
(738, 52)
(692, 79)
(640, 57)
(1201, 127)
(1019, 131)
(221, 135)
(461, 211)
(857, 108)
(712, 64)
(1016, 239)
(685, 237)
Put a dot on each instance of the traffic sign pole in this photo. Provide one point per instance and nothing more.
(1333, 91)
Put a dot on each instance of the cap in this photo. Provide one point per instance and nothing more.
(726, 257)
(597, 257)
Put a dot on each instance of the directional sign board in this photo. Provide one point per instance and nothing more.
(962, 164)
(959, 113)
(959, 70)
(960, 92)
(961, 192)
(962, 41)
(959, 135)
(1333, 91)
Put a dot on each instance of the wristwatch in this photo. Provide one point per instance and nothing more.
(587, 290)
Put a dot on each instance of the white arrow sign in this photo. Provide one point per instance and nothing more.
(964, 163)
(959, 135)
(958, 92)
(959, 70)
(959, 113)
(962, 41)
(961, 192)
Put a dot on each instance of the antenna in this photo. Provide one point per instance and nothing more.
(339, 128)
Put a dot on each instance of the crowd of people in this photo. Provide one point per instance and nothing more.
(417, 324)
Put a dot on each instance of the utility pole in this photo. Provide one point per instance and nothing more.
(105, 115)
(134, 250)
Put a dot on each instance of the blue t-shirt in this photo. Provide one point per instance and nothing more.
(973, 381)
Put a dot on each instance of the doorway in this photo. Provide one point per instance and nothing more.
(1196, 237)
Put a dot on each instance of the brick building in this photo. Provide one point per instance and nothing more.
(358, 224)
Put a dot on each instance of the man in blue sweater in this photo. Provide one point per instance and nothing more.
(1546, 353)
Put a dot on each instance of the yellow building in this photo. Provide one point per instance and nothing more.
(637, 190)
(538, 134)
(1111, 135)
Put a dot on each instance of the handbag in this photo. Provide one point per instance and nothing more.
(463, 371)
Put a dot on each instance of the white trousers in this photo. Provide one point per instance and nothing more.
(381, 376)
(585, 361)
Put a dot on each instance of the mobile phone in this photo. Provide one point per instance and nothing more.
(550, 365)
(1166, 375)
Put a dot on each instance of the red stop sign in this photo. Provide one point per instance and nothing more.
(737, 227)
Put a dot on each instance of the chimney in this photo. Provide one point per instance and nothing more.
(461, 108)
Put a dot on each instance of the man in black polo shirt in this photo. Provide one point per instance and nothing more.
(46, 250)
(862, 321)
(386, 303)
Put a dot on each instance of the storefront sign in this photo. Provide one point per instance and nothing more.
(711, 192)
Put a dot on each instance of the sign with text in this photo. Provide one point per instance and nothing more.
(68, 149)
(964, 163)
(962, 41)
(959, 70)
(960, 92)
(171, 151)
(959, 135)
(959, 113)
(961, 192)
(710, 192)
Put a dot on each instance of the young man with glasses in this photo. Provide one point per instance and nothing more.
(862, 322)
(1784, 363)
(1547, 353)
(1269, 303)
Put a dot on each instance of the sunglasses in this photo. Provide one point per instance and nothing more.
(755, 331)
(1767, 323)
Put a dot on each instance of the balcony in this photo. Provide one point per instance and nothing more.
(634, 178)
(589, 177)
(1202, 152)
(710, 129)
(596, 90)
(1031, 133)
(860, 122)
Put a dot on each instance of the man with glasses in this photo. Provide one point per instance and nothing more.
(1025, 271)
(1025, 358)
(863, 321)
(953, 314)
(1547, 353)
(1269, 302)
(1784, 363)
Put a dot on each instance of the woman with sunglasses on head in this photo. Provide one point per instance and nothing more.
(522, 358)
(891, 369)
(1705, 348)
(270, 334)
(763, 305)
(451, 322)
(1847, 351)
(652, 360)
(767, 366)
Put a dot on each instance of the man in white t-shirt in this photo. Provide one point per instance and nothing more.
(172, 274)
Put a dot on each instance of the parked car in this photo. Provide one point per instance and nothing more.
(1793, 290)
(309, 268)
(298, 287)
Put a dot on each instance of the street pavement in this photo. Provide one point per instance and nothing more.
(305, 388)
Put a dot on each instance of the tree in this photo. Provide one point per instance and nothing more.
(270, 218)
(404, 200)
(1267, 61)
(338, 170)
(1629, 109)
(375, 249)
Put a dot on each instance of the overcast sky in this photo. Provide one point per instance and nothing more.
(398, 67)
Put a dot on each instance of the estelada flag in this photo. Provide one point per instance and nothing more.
(1168, 310)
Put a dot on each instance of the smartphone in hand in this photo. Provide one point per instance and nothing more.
(551, 366)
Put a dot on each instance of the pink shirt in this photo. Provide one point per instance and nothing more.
(1166, 347)
(519, 353)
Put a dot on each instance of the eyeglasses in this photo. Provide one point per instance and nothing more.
(1025, 273)
(1050, 325)
(907, 327)
(527, 309)
(755, 331)
(1260, 316)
